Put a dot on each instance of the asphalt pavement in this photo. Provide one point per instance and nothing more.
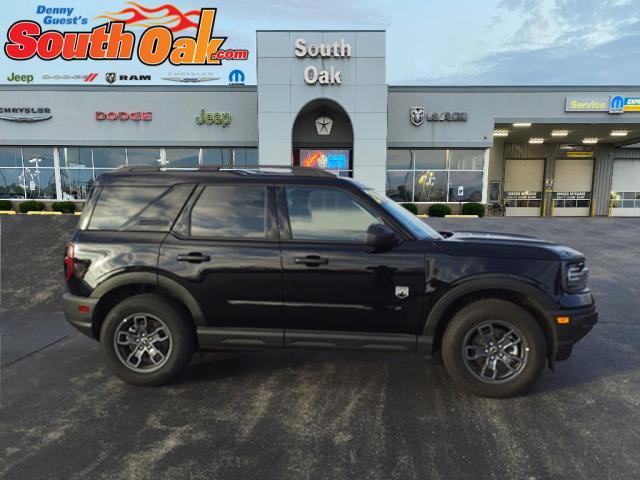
(328, 415)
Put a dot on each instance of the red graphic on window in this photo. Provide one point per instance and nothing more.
(166, 15)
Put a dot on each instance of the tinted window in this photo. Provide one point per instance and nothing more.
(109, 157)
(327, 214)
(182, 157)
(143, 156)
(138, 208)
(230, 211)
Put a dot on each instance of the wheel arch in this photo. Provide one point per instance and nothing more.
(516, 291)
(124, 285)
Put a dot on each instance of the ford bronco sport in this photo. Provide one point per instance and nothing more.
(167, 262)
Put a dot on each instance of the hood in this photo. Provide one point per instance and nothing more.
(505, 245)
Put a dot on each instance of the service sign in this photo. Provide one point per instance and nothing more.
(144, 42)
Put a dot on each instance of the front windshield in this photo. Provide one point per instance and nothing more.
(412, 223)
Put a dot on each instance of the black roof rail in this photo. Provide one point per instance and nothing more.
(294, 169)
(140, 168)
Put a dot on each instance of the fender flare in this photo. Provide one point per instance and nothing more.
(540, 300)
(152, 278)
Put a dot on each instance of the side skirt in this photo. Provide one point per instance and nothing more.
(251, 338)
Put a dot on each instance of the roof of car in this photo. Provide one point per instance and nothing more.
(159, 176)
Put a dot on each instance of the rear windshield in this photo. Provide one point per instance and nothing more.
(138, 208)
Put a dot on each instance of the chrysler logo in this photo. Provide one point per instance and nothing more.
(25, 114)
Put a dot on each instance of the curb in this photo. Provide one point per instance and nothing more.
(461, 216)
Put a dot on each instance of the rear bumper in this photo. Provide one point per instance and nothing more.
(582, 320)
(77, 316)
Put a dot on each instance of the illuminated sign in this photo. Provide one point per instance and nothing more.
(620, 104)
(586, 104)
(326, 159)
(577, 151)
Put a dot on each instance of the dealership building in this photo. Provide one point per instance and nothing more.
(322, 100)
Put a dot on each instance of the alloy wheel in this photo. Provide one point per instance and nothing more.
(495, 352)
(143, 342)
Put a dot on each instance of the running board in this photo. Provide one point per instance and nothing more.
(250, 338)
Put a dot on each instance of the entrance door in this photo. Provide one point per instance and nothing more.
(523, 181)
(572, 182)
(625, 188)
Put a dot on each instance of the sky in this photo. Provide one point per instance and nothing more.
(452, 42)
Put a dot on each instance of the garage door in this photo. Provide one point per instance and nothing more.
(572, 182)
(523, 187)
(625, 188)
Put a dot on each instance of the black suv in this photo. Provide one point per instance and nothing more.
(167, 262)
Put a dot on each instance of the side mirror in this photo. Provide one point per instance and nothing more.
(381, 237)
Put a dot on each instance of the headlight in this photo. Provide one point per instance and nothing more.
(575, 277)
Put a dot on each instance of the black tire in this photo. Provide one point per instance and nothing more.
(161, 313)
(466, 342)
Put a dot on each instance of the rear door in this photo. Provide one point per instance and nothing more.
(333, 281)
(224, 250)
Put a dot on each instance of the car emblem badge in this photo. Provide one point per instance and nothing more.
(110, 77)
(416, 114)
(402, 292)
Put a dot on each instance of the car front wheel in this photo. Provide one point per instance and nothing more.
(494, 348)
(147, 339)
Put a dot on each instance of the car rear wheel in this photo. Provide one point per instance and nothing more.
(147, 339)
(494, 348)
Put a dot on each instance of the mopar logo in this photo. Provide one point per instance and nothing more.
(236, 77)
(616, 104)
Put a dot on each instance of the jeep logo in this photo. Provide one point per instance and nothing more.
(16, 77)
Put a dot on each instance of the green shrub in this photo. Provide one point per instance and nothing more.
(5, 205)
(473, 209)
(64, 207)
(439, 210)
(412, 207)
(31, 206)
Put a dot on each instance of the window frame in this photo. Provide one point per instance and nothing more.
(284, 221)
(182, 226)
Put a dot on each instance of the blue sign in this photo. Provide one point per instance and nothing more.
(236, 77)
(337, 160)
(616, 104)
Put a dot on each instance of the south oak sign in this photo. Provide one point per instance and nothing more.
(111, 41)
(311, 74)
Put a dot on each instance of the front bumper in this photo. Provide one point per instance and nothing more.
(581, 322)
(81, 318)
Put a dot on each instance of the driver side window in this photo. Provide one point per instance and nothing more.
(327, 214)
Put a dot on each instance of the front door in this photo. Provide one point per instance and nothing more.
(332, 279)
(224, 250)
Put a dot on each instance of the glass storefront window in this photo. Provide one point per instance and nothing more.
(399, 160)
(465, 186)
(75, 182)
(400, 186)
(182, 157)
(11, 185)
(245, 157)
(73, 157)
(430, 186)
(143, 156)
(430, 175)
(466, 159)
(109, 157)
(38, 157)
(430, 159)
(10, 157)
(222, 157)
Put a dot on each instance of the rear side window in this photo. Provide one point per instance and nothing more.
(230, 211)
(138, 208)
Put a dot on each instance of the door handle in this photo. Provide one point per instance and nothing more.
(311, 261)
(193, 257)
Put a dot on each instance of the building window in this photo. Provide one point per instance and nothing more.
(182, 157)
(11, 173)
(625, 199)
(430, 175)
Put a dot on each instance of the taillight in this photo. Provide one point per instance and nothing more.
(69, 264)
